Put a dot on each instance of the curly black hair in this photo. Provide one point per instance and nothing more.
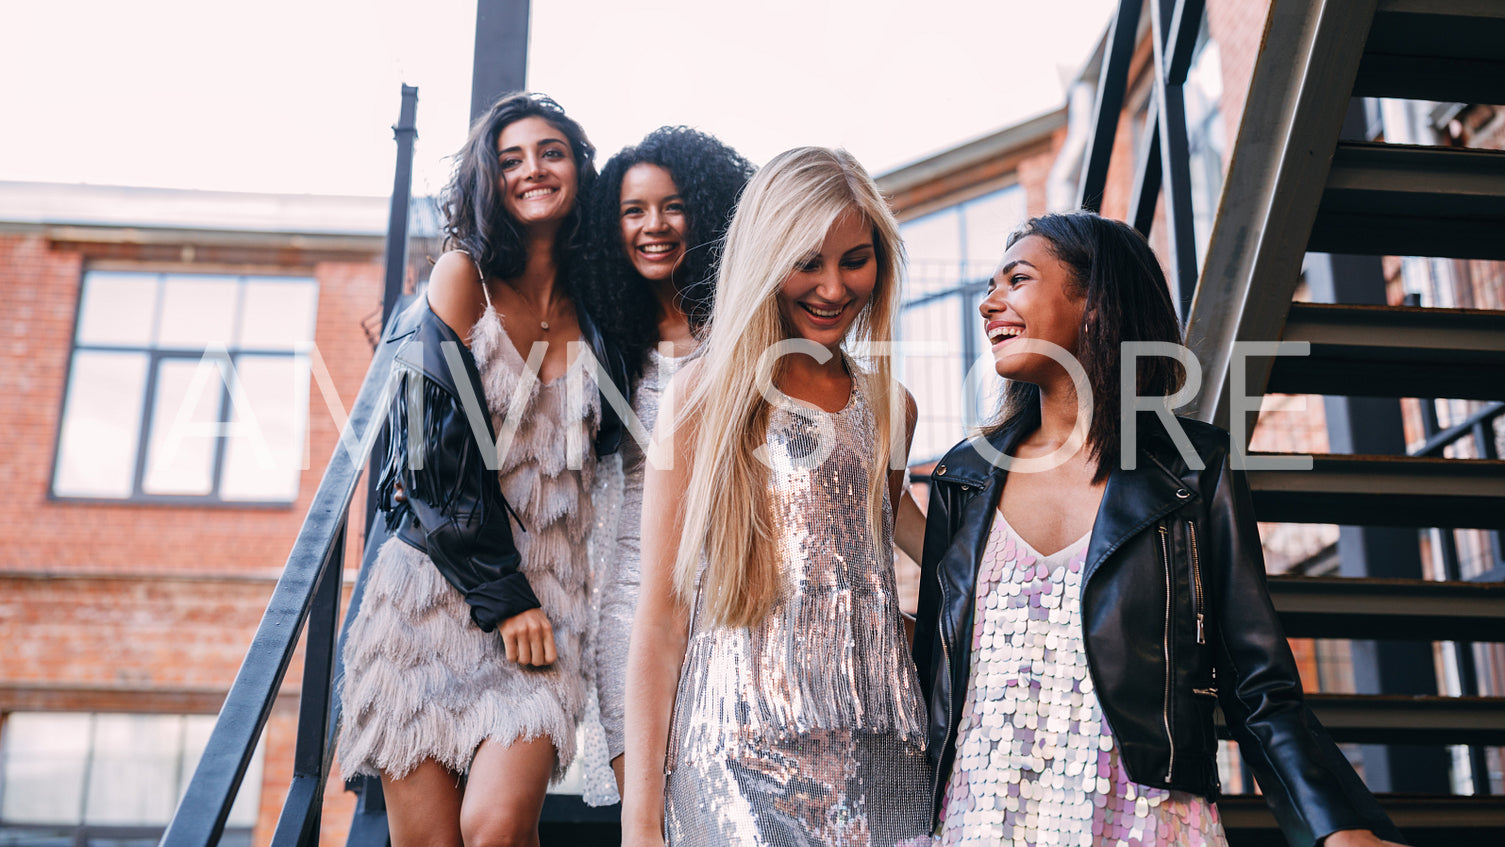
(710, 176)
(475, 220)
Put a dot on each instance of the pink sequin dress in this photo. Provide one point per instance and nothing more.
(1035, 760)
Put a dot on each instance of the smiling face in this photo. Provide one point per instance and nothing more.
(1032, 296)
(654, 221)
(539, 179)
(829, 288)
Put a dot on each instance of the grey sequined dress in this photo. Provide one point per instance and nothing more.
(620, 585)
(808, 728)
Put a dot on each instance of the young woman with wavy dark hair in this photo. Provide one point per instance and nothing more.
(1088, 595)
(656, 221)
(465, 677)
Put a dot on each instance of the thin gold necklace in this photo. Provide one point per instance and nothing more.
(537, 313)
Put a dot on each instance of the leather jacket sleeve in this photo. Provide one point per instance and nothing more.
(452, 506)
(1310, 786)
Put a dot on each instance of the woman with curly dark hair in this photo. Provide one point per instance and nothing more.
(465, 668)
(657, 218)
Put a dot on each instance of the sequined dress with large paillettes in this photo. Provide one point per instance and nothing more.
(807, 728)
(1035, 759)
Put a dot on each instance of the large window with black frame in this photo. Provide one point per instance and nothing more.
(187, 388)
(79, 779)
(952, 252)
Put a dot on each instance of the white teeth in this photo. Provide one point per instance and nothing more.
(1000, 332)
(657, 248)
(823, 313)
(537, 192)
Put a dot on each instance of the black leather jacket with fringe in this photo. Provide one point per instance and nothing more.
(451, 505)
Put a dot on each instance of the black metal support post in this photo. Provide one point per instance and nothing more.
(300, 819)
(1175, 156)
(396, 258)
(406, 132)
(501, 57)
(1111, 86)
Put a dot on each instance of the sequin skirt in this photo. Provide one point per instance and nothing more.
(828, 787)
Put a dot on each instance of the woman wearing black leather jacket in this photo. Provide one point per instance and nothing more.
(465, 668)
(1072, 693)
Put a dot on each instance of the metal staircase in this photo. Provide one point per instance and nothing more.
(1307, 189)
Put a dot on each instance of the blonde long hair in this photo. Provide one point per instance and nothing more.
(783, 216)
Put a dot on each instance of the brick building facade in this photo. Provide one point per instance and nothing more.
(128, 604)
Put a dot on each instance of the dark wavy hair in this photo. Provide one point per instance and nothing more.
(710, 176)
(1113, 267)
(471, 204)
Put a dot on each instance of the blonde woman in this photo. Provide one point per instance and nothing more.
(771, 696)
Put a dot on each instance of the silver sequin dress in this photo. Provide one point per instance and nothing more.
(619, 588)
(424, 682)
(1035, 761)
(807, 729)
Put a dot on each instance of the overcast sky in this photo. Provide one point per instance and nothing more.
(299, 96)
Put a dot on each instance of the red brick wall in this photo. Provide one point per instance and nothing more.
(120, 607)
(1238, 27)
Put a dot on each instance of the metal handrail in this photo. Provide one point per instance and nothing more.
(309, 582)
(1439, 441)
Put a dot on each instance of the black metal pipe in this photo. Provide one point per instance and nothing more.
(1111, 87)
(405, 131)
(501, 52)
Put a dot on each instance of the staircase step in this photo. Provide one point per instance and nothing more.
(1393, 351)
(1396, 719)
(1448, 50)
(1417, 609)
(1426, 820)
(1383, 491)
(1409, 200)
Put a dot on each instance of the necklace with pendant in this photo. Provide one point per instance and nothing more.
(542, 324)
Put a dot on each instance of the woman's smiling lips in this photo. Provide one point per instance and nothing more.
(823, 316)
(658, 251)
(1000, 332)
(536, 193)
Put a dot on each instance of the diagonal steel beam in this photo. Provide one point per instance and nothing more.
(1294, 111)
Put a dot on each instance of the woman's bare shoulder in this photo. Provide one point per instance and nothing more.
(455, 292)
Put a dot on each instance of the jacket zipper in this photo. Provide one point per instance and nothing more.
(1165, 559)
(940, 630)
(1196, 583)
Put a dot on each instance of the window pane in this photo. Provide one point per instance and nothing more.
(277, 314)
(44, 759)
(935, 381)
(989, 220)
(117, 309)
(134, 778)
(934, 246)
(197, 311)
(184, 423)
(101, 419)
(248, 801)
(264, 456)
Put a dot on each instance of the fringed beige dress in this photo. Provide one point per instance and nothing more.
(424, 682)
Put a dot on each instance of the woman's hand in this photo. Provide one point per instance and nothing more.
(1356, 838)
(529, 638)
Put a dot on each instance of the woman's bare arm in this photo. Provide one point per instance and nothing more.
(909, 521)
(660, 628)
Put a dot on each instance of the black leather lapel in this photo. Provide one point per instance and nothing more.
(1133, 500)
